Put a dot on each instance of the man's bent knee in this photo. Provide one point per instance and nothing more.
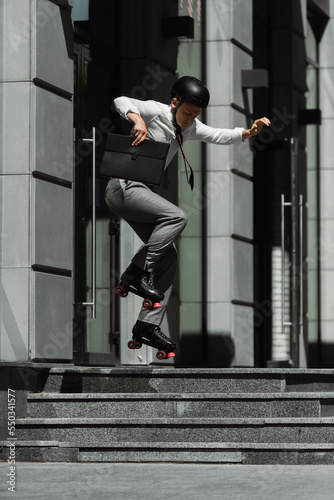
(182, 219)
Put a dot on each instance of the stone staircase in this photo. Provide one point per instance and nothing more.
(246, 416)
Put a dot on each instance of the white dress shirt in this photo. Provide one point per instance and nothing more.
(158, 119)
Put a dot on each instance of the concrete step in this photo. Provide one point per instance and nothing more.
(171, 380)
(260, 405)
(196, 452)
(183, 430)
(140, 414)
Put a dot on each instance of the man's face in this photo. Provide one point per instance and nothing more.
(186, 113)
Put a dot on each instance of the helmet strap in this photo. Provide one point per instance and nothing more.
(174, 110)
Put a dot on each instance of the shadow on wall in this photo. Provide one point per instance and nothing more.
(217, 351)
(320, 355)
(327, 355)
(68, 31)
(17, 381)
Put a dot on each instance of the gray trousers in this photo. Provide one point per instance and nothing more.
(158, 223)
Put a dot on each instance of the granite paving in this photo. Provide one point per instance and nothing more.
(59, 481)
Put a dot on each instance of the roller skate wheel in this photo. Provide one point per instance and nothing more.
(161, 355)
(156, 304)
(171, 355)
(133, 344)
(148, 304)
(119, 290)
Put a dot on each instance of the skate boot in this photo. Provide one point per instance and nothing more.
(151, 335)
(138, 281)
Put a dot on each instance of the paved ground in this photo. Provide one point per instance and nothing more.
(59, 481)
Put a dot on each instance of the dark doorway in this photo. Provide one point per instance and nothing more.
(95, 308)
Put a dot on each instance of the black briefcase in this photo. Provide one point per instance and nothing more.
(144, 163)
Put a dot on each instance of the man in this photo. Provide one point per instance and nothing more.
(157, 221)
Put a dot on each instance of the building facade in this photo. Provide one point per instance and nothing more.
(37, 191)
(254, 286)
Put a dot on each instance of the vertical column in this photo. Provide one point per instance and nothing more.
(192, 202)
(15, 89)
(326, 193)
(51, 143)
(229, 189)
(36, 181)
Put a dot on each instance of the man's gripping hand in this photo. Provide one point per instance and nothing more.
(139, 129)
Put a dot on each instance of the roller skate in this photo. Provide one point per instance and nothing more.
(138, 281)
(151, 335)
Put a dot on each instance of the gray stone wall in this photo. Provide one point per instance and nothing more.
(228, 199)
(326, 191)
(36, 222)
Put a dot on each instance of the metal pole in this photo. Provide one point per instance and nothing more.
(283, 205)
(92, 304)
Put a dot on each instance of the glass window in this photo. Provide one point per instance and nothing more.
(80, 11)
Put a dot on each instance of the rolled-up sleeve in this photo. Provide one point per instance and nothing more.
(213, 135)
(148, 110)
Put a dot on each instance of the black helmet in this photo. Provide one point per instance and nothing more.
(190, 89)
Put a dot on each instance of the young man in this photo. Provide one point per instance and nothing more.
(156, 221)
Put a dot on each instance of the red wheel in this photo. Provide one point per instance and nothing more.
(161, 355)
(120, 290)
(148, 304)
(156, 304)
(132, 344)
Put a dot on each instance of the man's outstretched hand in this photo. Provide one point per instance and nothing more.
(256, 128)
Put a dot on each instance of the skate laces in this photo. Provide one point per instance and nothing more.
(161, 334)
(147, 278)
